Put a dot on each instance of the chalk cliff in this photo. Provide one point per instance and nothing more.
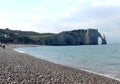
(76, 37)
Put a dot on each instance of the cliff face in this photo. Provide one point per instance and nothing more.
(76, 37)
(91, 37)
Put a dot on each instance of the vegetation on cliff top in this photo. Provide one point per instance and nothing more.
(22, 37)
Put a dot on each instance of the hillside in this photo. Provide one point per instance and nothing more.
(22, 37)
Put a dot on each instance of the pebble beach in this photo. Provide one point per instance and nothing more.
(20, 68)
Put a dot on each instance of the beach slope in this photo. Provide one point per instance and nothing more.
(20, 68)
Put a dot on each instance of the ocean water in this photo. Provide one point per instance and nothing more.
(102, 59)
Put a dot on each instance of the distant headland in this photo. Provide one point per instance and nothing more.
(75, 37)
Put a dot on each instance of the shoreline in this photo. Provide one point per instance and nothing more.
(45, 70)
(89, 71)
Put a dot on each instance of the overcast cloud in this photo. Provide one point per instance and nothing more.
(61, 15)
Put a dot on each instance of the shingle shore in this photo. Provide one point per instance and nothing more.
(20, 68)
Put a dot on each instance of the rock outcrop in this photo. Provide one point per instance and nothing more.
(76, 37)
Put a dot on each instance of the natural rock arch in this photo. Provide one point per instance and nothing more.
(76, 37)
(103, 39)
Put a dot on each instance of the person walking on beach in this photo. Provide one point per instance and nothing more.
(3, 46)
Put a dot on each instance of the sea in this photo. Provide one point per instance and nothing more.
(100, 59)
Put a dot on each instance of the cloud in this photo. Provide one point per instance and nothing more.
(61, 15)
(93, 13)
(57, 9)
(115, 3)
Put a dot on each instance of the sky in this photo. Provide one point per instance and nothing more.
(54, 16)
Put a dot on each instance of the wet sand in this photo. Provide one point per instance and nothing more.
(20, 68)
